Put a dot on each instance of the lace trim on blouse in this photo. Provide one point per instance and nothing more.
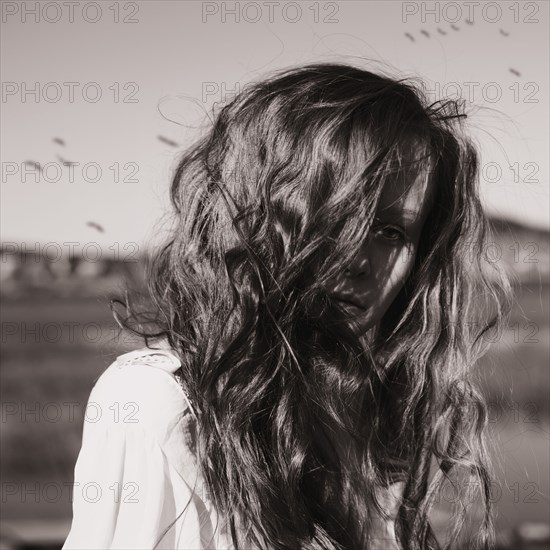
(166, 359)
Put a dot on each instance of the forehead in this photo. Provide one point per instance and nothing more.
(408, 196)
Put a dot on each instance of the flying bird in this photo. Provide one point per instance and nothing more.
(35, 165)
(513, 71)
(96, 226)
(168, 141)
(409, 36)
(504, 33)
(425, 33)
(440, 31)
(66, 162)
(59, 141)
(455, 28)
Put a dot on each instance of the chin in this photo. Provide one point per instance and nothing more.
(364, 324)
(362, 320)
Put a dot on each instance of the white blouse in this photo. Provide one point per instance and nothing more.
(136, 481)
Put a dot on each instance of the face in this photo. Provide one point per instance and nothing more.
(381, 268)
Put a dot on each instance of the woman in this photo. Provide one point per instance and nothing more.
(318, 305)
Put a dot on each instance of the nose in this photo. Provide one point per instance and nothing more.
(360, 267)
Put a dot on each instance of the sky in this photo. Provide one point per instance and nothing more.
(111, 77)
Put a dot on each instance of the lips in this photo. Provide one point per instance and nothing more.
(349, 302)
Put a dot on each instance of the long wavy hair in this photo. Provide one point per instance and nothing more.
(270, 204)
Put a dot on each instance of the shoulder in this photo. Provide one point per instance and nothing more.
(139, 391)
(138, 444)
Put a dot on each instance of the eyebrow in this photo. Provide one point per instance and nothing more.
(408, 213)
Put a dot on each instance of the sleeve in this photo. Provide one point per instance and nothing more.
(127, 492)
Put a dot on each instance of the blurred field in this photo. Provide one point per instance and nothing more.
(45, 383)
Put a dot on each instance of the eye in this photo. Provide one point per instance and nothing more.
(392, 233)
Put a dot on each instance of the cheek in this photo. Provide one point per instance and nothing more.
(393, 271)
